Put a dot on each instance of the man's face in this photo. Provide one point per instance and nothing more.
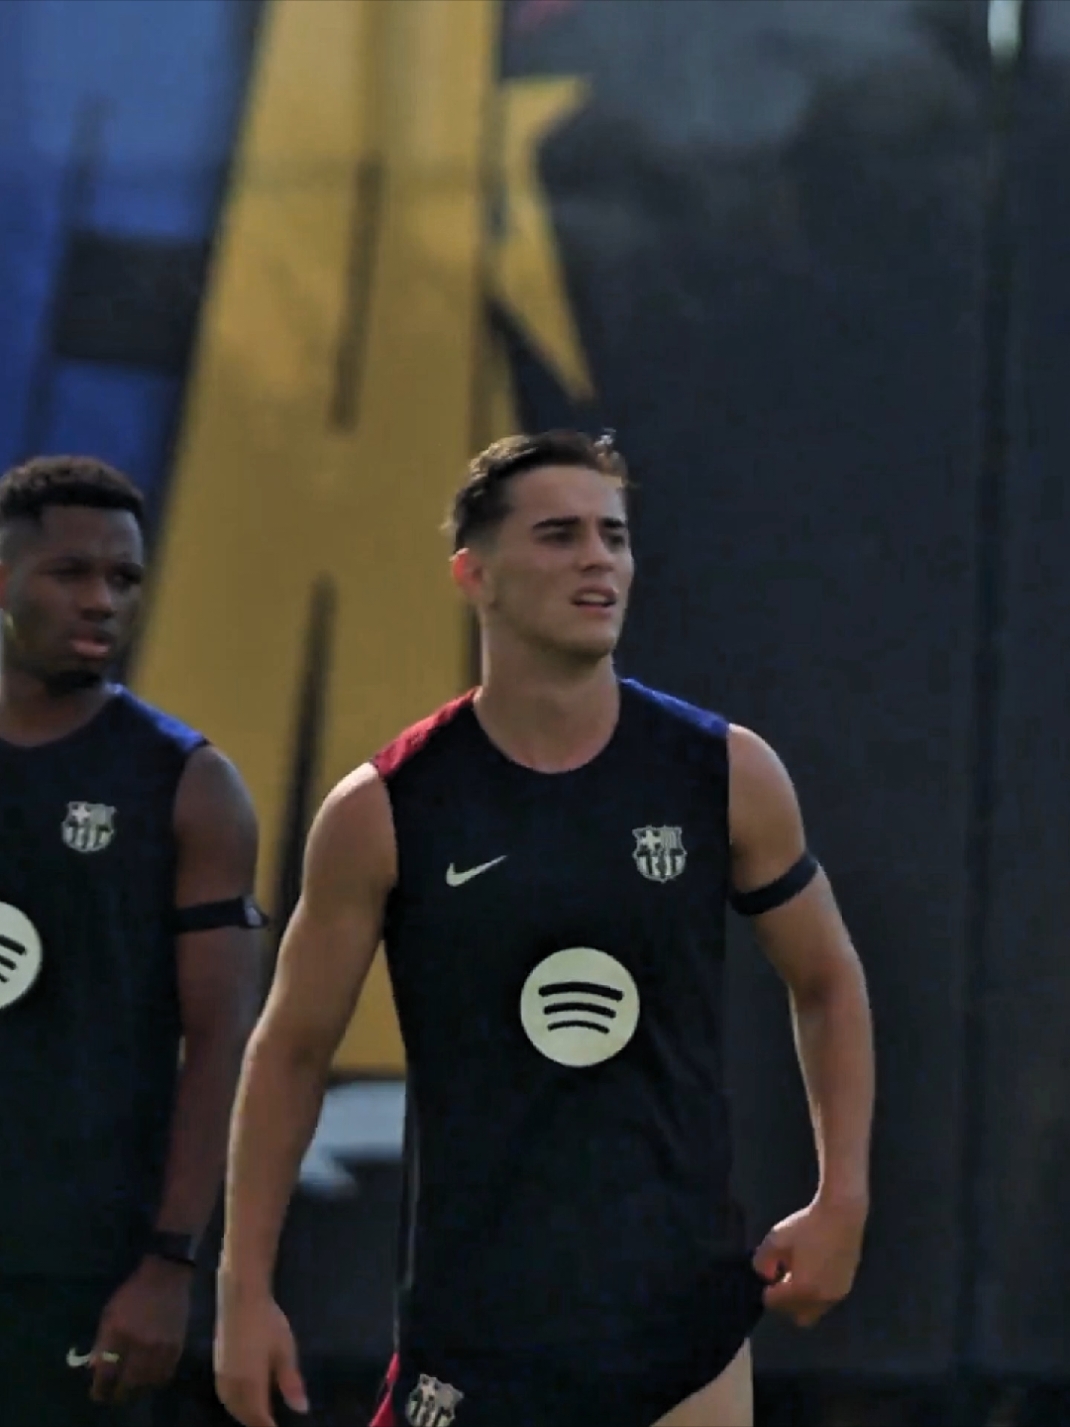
(557, 571)
(69, 591)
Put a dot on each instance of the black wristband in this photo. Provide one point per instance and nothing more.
(175, 1248)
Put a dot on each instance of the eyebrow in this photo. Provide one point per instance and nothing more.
(81, 557)
(570, 522)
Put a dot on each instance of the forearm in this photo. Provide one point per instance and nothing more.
(199, 1126)
(833, 1035)
(279, 1100)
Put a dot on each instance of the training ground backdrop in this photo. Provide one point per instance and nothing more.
(290, 263)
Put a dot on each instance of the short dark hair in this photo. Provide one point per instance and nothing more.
(482, 503)
(27, 491)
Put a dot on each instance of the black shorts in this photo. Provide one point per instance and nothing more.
(41, 1321)
(622, 1385)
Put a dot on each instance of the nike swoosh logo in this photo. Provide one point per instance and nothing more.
(78, 1360)
(458, 879)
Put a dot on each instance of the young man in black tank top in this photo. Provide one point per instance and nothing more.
(547, 862)
(127, 861)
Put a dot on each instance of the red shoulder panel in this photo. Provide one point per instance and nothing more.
(398, 752)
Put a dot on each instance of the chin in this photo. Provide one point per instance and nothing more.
(590, 650)
(71, 681)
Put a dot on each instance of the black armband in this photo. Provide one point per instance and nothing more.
(775, 894)
(207, 916)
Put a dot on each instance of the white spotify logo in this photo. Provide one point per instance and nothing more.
(579, 1006)
(20, 955)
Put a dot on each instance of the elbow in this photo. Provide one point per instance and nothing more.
(218, 1028)
(221, 1042)
(829, 983)
(280, 1049)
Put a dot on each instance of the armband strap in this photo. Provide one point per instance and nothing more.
(207, 916)
(775, 894)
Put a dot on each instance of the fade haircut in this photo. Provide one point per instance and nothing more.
(482, 503)
(27, 491)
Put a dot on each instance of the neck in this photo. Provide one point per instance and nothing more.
(32, 713)
(548, 715)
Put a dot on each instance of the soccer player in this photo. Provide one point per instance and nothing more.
(548, 862)
(127, 945)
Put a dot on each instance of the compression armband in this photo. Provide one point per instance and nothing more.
(208, 916)
(775, 894)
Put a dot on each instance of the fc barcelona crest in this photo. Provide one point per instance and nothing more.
(432, 1403)
(659, 852)
(88, 827)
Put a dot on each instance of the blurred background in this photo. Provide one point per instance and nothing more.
(290, 263)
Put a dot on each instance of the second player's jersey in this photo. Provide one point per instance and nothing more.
(89, 1025)
(556, 945)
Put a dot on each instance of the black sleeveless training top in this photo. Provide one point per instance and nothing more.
(89, 1021)
(556, 943)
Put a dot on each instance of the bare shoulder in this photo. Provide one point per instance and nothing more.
(215, 830)
(351, 840)
(214, 813)
(757, 775)
(765, 823)
(211, 786)
(357, 809)
(360, 790)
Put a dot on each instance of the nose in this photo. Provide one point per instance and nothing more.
(98, 598)
(595, 554)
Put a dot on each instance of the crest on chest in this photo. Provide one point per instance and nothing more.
(659, 852)
(88, 827)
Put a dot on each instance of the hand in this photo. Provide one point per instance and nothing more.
(254, 1352)
(810, 1260)
(142, 1331)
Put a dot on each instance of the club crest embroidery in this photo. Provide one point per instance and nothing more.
(432, 1403)
(88, 827)
(659, 852)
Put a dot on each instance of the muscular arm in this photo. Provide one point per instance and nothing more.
(143, 1327)
(808, 944)
(323, 962)
(220, 976)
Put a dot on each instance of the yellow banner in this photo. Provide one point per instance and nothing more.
(344, 376)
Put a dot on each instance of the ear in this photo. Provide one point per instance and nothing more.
(469, 575)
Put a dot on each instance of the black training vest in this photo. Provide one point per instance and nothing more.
(89, 1050)
(556, 946)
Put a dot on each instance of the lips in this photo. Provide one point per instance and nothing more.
(92, 644)
(595, 598)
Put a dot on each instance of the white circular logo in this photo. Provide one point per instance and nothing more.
(579, 1006)
(20, 955)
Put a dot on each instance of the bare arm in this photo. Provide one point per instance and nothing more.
(329, 945)
(808, 944)
(143, 1327)
(220, 975)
